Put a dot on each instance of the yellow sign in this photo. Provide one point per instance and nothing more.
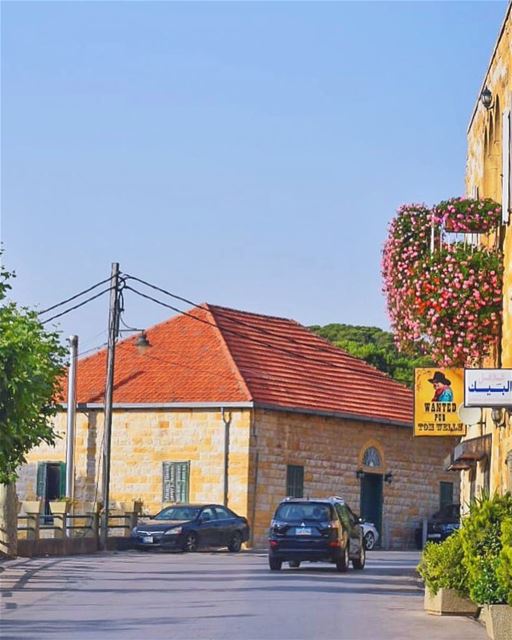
(437, 395)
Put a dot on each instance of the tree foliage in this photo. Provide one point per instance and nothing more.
(376, 347)
(31, 362)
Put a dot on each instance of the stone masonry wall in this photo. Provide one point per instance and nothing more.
(141, 442)
(484, 175)
(331, 451)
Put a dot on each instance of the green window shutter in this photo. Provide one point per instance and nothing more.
(295, 481)
(62, 480)
(445, 494)
(41, 480)
(175, 481)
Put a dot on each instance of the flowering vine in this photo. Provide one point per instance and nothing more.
(449, 300)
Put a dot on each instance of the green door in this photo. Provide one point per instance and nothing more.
(371, 499)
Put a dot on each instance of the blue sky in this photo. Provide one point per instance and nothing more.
(244, 154)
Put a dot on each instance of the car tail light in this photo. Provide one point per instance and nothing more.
(334, 543)
(274, 544)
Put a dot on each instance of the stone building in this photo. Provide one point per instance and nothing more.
(236, 407)
(486, 451)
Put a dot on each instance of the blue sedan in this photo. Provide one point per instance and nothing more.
(187, 527)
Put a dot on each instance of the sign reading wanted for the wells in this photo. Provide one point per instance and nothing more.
(437, 395)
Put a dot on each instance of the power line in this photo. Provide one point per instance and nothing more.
(153, 286)
(99, 346)
(77, 306)
(268, 345)
(77, 295)
(218, 311)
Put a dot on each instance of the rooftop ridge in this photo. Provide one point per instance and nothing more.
(227, 350)
(253, 313)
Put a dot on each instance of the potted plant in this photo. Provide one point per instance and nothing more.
(487, 545)
(445, 578)
(61, 506)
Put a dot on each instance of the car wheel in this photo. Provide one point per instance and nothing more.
(190, 543)
(294, 564)
(359, 562)
(236, 543)
(274, 564)
(342, 563)
(369, 540)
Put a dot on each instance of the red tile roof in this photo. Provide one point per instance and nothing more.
(223, 355)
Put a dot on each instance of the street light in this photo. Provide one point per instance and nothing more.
(486, 98)
(142, 343)
(498, 417)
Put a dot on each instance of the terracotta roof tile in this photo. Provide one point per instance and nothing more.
(242, 357)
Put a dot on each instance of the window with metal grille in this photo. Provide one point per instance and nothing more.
(445, 494)
(371, 458)
(175, 481)
(295, 481)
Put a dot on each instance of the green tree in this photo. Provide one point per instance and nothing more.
(377, 347)
(31, 363)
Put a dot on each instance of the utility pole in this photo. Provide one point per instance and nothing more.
(71, 422)
(113, 330)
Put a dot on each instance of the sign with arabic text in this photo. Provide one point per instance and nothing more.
(437, 395)
(488, 387)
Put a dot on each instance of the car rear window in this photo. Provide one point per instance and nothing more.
(294, 511)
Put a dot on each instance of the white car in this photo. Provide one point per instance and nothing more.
(370, 534)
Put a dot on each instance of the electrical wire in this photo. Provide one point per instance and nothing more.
(77, 306)
(218, 311)
(268, 345)
(99, 346)
(77, 295)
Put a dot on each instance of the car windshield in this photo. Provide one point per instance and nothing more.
(293, 511)
(178, 513)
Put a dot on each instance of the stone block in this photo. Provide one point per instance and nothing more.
(498, 621)
(447, 602)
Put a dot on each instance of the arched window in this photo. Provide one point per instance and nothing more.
(371, 458)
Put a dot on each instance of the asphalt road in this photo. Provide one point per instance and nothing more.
(214, 595)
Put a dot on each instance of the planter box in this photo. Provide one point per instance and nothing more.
(60, 507)
(498, 621)
(32, 506)
(447, 602)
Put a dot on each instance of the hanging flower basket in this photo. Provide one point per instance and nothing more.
(458, 298)
(407, 244)
(450, 300)
(465, 215)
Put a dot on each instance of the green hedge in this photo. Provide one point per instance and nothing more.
(442, 567)
(477, 559)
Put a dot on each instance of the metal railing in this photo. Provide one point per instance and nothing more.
(73, 525)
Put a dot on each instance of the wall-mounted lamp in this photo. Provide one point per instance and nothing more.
(142, 343)
(359, 474)
(498, 417)
(486, 98)
(388, 477)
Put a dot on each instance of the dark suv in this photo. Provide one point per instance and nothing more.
(441, 525)
(315, 530)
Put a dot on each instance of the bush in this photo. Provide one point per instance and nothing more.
(481, 536)
(442, 566)
(504, 569)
